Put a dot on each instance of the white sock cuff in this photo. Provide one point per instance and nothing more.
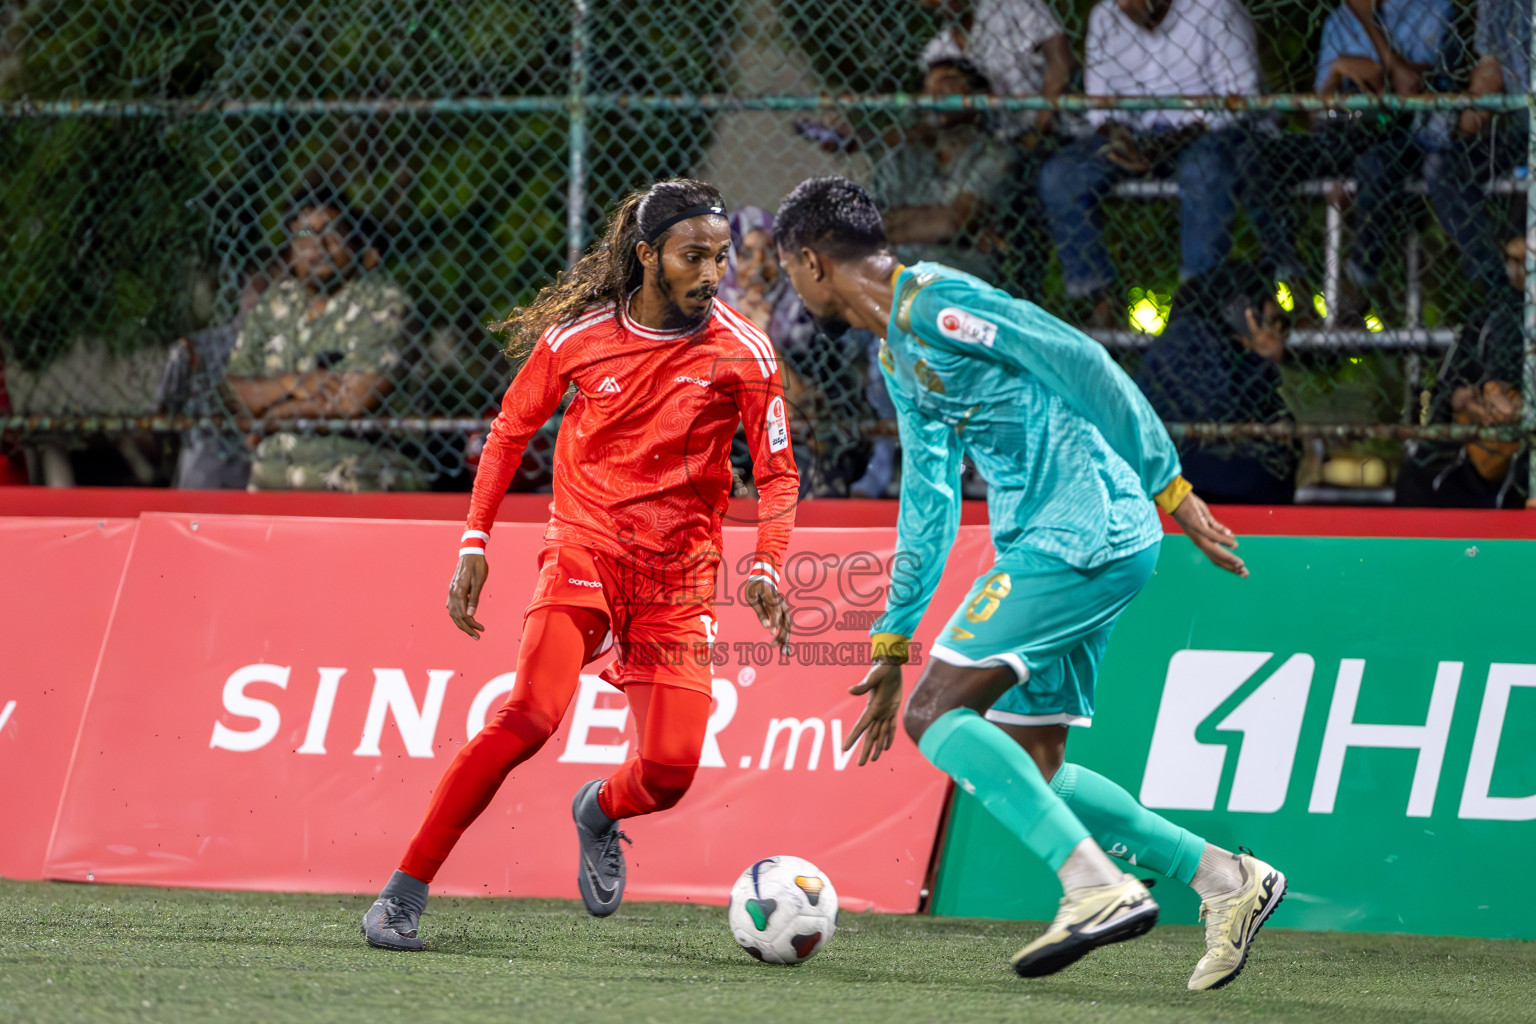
(1220, 872)
(1087, 866)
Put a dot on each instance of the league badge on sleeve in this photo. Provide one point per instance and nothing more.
(778, 425)
(967, 327)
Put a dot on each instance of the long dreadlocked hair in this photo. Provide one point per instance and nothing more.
(610, 269)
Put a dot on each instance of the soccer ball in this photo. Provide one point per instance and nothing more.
(783, 909)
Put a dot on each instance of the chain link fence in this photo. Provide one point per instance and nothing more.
(257, 242)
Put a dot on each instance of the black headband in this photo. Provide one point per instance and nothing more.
(691, 212)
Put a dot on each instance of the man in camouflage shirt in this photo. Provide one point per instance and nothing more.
(325, 343)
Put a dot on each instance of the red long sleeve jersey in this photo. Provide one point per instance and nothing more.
(642, 463)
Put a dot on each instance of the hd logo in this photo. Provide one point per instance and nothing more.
(1185, 773)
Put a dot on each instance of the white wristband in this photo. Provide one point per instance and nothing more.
(471, 551)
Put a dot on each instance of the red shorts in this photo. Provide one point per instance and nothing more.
(663, 628)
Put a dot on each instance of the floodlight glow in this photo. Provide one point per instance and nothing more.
(1284, 297)
(1146, 318)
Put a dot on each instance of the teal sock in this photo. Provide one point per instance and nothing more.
(1124, 828)
(986, 763)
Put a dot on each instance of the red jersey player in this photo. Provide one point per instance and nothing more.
(663, 373)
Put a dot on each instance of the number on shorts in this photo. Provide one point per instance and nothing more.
(991, 596)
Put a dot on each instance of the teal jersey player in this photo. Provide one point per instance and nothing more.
(1070, 452)
(1076, 462)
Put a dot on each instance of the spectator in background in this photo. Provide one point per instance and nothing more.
(191, 384)
(754, 287)
(1153, 48)
(1019, 46)
(1418, 50)
(1478, 383)
(1485, 146)
(822, 376)
(324, 341)
(1377, 149)
(1218, 361)
(1022, 50)
(941, 192)
(1406, 71)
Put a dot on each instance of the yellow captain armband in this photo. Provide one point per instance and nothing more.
(1174, 494)
(888, 646)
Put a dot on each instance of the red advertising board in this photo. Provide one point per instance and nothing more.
(277, 697)
(60, 577)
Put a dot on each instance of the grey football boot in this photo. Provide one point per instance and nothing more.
(392, 922)
(600, 875)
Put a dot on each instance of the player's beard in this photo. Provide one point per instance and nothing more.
(673, 318)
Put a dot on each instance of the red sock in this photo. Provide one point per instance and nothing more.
(557, 642)
(670, 722)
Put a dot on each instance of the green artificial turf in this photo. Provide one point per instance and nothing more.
(102, 953)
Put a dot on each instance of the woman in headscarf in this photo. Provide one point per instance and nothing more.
(826, 380)
(754, 287)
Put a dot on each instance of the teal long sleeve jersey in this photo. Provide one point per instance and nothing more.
(1072, 452)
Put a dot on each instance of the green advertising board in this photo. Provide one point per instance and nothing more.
(1360, 712)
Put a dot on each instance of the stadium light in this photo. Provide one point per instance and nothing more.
(1148, 311)
(1284, 297)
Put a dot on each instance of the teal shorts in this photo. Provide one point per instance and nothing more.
(1050, 623)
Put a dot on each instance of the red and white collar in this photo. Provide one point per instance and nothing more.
(650, 333)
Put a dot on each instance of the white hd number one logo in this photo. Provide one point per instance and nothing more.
(711, 627)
